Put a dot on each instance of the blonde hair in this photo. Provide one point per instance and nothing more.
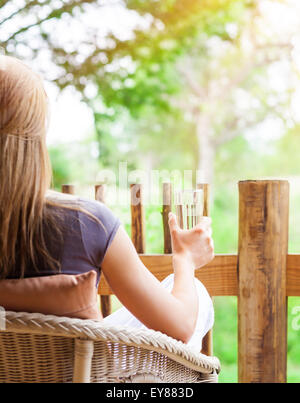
(25, 171)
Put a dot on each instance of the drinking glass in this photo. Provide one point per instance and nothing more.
(188, 207)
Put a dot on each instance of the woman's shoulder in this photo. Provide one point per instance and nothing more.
(86, 208)
(99, 210)
(89, 227)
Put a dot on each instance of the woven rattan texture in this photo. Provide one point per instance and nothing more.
(40, 348)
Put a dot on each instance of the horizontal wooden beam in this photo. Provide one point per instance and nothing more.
(293, 276)
(219, 276)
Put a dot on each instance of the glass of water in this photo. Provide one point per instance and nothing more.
(188, 207)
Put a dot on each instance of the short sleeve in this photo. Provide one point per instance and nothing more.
(97, 235)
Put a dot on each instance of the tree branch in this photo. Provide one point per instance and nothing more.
(27, 7)
(232, 129)
(3, 2)
(67, 8)
(252, 65)
(227, 137)
(188, 75)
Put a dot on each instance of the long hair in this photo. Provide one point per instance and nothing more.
(25, 171)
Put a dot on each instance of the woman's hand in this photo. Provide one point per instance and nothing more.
(194, 245)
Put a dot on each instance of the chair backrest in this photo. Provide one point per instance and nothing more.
(35, 358)
(39, 348)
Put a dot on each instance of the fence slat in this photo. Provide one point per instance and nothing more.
(167, 208)
(100, 192)
(137, 218)
(206, 196)
(262, 302)
(69, 189)
(207, 342)
(106, 308)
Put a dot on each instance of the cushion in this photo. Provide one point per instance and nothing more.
(74, 296)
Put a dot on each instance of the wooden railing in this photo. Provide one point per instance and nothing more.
(262, 275)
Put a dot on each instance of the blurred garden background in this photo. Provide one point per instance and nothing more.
(205, 85)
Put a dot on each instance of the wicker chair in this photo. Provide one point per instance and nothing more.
(43, 348)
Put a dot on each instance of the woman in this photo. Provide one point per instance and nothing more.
(42, 233)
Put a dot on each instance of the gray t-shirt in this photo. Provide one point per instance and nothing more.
(85, 241)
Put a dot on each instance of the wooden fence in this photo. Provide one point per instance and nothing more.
(262, 275)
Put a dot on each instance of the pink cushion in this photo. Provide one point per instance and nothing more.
(74, 296)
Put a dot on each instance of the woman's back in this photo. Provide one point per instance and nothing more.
(84, 240)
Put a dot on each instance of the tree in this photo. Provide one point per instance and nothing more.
(132, 75)
(168, 28)
(132, 71)
(227, 88)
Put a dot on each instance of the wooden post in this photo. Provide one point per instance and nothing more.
(207, 342)
(100, 192)
(137, 218)
(105, 299)
(69, 189)
(262, 302)
(167, 208)
(206, 194)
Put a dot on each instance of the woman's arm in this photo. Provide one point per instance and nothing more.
(143, 295)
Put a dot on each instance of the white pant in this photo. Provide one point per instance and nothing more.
(205, 319)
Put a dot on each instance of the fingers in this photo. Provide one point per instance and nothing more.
(209, 231)
(205, 222)
(173, 223)
(204, 226)
(211, 248)
(210, 243)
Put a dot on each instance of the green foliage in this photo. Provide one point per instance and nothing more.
(225, 329)
(134, 77)
(147, 90)
(60, 167)
(154, 236)
(74, 163)
(225, 218)
(293, 334)
(285, 160)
